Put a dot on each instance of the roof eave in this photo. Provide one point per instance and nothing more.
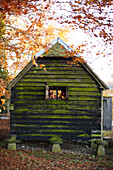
(96, 77)
(20, 75)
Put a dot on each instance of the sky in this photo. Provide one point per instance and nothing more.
(102, 66)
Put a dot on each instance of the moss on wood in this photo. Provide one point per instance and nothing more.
(30, 92)
(30, 84)
(30, 88)
(50, 76)
(84, 89)
(57, 116)
(61, 72)
(56, 50)
(28, 97)
(83, 135)
(59, 80)
(78, 106)
(46, 118)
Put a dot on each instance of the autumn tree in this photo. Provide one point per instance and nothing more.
(24, 26)
(18, 40)
(23, 31)
(94, 17)
(3, 68)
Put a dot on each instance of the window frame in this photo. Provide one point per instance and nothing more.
(47, 95)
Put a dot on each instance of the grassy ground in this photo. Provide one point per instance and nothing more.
(108, 133)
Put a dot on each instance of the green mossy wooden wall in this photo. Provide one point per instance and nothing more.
(35, 118)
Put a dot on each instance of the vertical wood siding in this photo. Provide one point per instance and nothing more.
(34, 117)
(107, 113)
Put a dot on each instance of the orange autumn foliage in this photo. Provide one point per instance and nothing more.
(22, 33)
(26, 27)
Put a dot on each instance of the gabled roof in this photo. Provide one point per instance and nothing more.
(20, 75)
(95, 76)
(42, 52)
(56, 40)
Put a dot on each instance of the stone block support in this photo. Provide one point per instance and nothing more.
(56, 148)
(99, 145)
(101, 150)
(12, 146)
(12, 143)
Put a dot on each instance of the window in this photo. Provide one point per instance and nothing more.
(57, 93)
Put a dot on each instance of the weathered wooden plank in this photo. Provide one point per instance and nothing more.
(30, 84)
(47, 129)
(58, 84)
(50, 76)
(50, 106)
(49, 136)
(71, 97)
(65, 120)
(60, 67)
(74, 80)
(25, 130)
(56, 109)
(29, 101)
(20, 137)
(65, 104)
(37, 118)
(84, 97)
(55, 69)
(50, 133)
(89, 102)
(45, 122)
(83, 89)
(85, 93)
(32, 88)
(78, 84)
(29, 97)
(67, 137)
(107, 113)
(53, 60)
(54, 116)
(71, 88)
(56, 72)
(19, 127)
(28, 92)
(45, 114)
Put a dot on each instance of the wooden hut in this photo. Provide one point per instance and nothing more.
(63, 103)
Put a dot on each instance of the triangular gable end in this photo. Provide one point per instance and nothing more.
(56, 50)
(57, 42)
(55, 45)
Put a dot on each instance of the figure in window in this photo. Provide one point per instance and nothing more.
(57, 93)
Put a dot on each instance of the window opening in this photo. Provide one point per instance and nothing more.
(57, 93)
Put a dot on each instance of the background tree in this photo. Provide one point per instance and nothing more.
(14, 41)
(23, 32)
(25, 27)
(3, 69)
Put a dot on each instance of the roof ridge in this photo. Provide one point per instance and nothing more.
(60, 41)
